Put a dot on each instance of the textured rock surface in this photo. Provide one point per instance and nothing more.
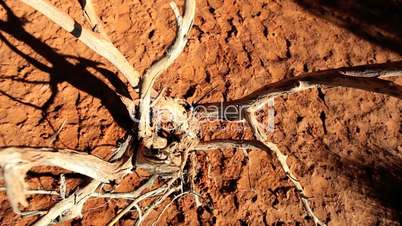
(344, 145)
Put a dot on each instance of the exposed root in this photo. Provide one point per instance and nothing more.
(63, 186)
(368, 78)
(157, 203)
(196, 196)
(35, 192)
(193, 173)
(32, 213)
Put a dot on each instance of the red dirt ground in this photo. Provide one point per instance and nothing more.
(344, 145)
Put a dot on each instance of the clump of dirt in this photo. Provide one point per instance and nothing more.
(344, 145)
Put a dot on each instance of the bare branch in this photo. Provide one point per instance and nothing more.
(32, 213)
(331, 79)
(157, 203)
(82, 163)
(193, 172)
(63, 186)
(259, 134)
(385, 70)
(35, 192)
(70, 207)
(100, 45)
(365, 77)
(139, 198)
(151, 75)
(171, 202)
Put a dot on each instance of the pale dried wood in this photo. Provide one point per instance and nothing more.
(71, 207)
(98, 44)
(366, 77)
(17, 161)
(93, 19)
(184, 26)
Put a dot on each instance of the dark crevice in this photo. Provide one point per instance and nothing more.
(233, 30)
(190, 92)
(225, 92)
(200, 211)
(254, 199)
(207, 77)
(243, 222)
(299, 118)
(329, 55)
(236, 201)
(323, 117)
(151, 34)
(265, 31)
(249, 59)
(229, 186)
(240, 16)
(288, 53)
(305, 67)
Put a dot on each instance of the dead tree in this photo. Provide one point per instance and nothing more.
(154, 113)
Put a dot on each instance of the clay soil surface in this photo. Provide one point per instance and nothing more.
(344, 145)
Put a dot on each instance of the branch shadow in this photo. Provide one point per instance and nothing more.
(61, 70)
(377, 21)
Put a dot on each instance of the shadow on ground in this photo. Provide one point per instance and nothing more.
(381, 179)
(378, 21)
(61, 70)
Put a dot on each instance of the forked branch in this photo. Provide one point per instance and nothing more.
(184, 26)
